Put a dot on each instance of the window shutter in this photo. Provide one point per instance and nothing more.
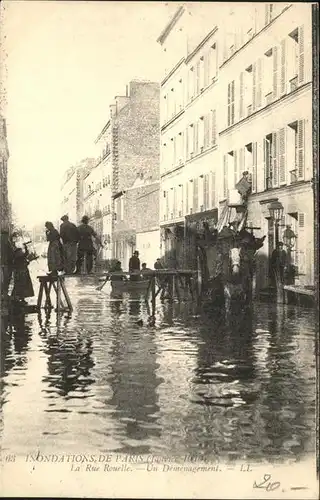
(167, 204)
(174, 202)
(283, 68)
(196, 136)
(275, 72)
(182, 145)
(187, 144)
(225, 176)
(274, 160)
(282, 156)
(301, 54)
(259, 83)
(195, 195)
(232, 103)
(241, 111)
(187, 198)
(266, 14)
(254, 167)
(204, 185)
(241, 162)
(301, 220)
(213, 189)
(198, 78)
(301, 140)
(254, 86)
(214, 128)
(229, 104)
(235, 168)
(265, 173)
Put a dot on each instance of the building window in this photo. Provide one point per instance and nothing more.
(267, 76)
(225, 175)
(165, 108)
(206, 192)
(213, 61)
(295, 57)
(248, 90)
(269, 11)
(295, 150)
(202, 74)
(195, 195)
(213, 127)
(180, 200)
(231, 116)
(197, 92)
(201, 193)
(191, 87)
(271, 161)
(206, 131)
(201, 133)
(213, 190)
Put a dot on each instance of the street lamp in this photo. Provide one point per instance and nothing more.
(289, 237)
(276, 213)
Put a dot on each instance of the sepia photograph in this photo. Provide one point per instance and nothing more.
(159, 249)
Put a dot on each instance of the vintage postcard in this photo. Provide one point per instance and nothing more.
(159, 241)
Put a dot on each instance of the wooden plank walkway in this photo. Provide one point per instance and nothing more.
(298, 291)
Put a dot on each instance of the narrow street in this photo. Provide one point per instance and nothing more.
(100, 379)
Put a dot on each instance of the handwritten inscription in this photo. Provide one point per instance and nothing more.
(267, 484)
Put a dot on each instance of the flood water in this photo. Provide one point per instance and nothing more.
(100, 381)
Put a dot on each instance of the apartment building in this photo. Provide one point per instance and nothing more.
(189, 134)
(265, 122)
(126, 175)
(235, 98)
(72, 190)
(135, 178)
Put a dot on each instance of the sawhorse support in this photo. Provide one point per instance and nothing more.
(58, 284)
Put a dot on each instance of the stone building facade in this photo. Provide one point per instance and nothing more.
(126, 170)
(136, 172)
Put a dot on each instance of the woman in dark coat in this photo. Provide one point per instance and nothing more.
(22, 284)
(55, 255)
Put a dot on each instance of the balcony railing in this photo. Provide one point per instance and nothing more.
(249, 110)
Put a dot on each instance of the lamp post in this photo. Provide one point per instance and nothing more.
(289, 239)
(276, 213)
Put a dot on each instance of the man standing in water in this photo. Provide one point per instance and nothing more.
(134, 266)
(70, 237)
(278, 263)
(85, 247)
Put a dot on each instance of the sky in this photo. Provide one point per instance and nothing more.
(65, 61)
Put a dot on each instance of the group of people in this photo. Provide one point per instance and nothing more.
(134, 267)
(66, 252)
(67, 249)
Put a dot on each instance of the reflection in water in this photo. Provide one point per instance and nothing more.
(133, 381)
(241, 386)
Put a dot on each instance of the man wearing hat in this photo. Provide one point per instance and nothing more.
(70, 236)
